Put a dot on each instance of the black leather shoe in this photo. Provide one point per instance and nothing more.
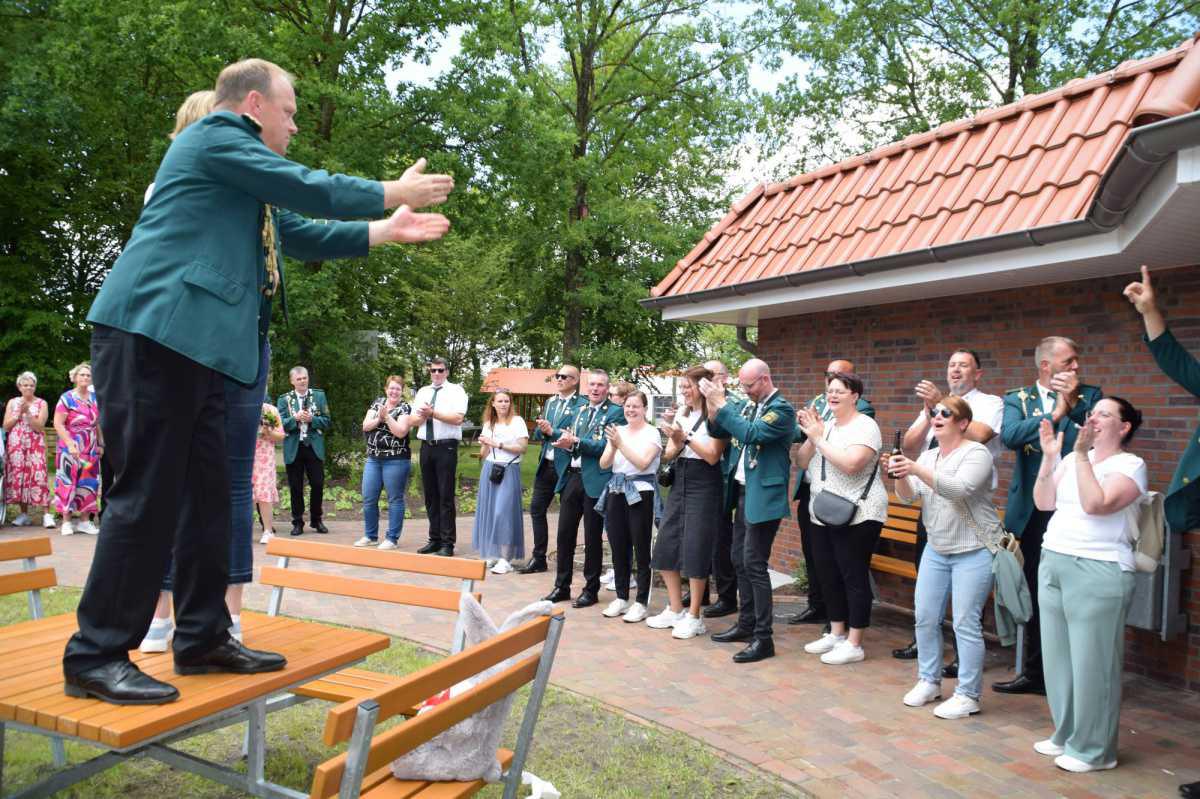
(557, 595)
(718, 609)
(297, 529)
(446, 552)
(320, 528)
(584, 600)
(809, 615)
(1190, 790)
(732, 635)
(429, 548)
(759, 649)
(1021, 685)
(906, 652)
(951, 669)
(120, 683)
(533, 567)
(230, 657)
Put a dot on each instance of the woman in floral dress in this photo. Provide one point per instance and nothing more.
(265, 479)
(77, 476)
(25, 481)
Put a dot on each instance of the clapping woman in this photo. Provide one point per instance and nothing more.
(389, 463)
(25, 480)
(80, 445)
(499, 531)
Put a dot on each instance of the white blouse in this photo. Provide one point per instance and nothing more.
(505, 433)
(622, 465)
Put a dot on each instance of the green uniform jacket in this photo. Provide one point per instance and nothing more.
(1182, 504)
(817, 403)
(764, 443)
(591, 446)
(288, 404)
(561, 416)
(1019, 432)
(189, 275)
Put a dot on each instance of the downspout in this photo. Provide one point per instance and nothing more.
(745, 343)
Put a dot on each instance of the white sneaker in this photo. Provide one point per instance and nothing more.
(86, 526)
(266, 537)
(922, 694)
(845, 652)
(608, 580)
(636, 613)
(1068, 763)
(502, 567)
(365, 542)
(616, 608)
(385, 544)
(68, 528)
(158, 637)
(688, 627)
(667, 619)
(1048, 748)
(823, 644)
(958, 706)
(22, 521)
(48, 521)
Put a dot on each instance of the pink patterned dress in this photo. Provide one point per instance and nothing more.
(26, 481)
(77, 478)
(264, 480)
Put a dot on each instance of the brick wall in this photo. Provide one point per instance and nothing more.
(894, 346)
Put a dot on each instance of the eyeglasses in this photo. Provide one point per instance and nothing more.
(436, 370)
(945, 413)
(747, 386)
(1101, 414)
(563, 377)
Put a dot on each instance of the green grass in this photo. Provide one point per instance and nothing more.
(584, 748)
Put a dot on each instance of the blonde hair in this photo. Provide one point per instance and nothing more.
(248, 75)
(75, 369)
(197, 106)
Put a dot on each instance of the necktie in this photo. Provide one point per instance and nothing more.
(429, 421)
(270, 259)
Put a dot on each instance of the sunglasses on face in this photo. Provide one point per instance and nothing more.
(945, 413)
(563, 377)
(436, 370)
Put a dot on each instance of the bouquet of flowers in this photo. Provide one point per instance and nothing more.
(270, 419)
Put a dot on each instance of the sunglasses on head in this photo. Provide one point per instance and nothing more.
(434, 370)
(945, 413)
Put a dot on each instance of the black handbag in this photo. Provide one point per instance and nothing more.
(666, 475)
(834, 510)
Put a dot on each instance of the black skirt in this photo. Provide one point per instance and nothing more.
(689, 524)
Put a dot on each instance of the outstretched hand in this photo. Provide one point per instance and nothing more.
(419, 190)
(409, 227)
(1141, 295)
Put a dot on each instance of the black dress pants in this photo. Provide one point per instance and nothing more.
(844, 558)
(544, 482)
(306, 464)
(751, 551)
(1031, 549)
(574, 505)
(722, 563)
(439, 466)
(816, 599)
(163, 420)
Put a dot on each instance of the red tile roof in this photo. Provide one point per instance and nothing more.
(521, 381)
(1032, 163)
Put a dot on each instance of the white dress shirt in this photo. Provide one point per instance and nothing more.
(560, 408)
(450, 399)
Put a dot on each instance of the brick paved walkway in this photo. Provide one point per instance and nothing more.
(832, 731)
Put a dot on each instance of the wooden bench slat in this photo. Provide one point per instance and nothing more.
(885, 563)
(893, 535)
(420, 685)
(436, 598)
(464, 568)
(382, 785)
(27, 581)
(21, 548)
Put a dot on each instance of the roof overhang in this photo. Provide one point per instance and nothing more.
(1145, 211)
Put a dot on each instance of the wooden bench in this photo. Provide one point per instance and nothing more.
(901, 526)
(353, 684)
(30, 579)
(364, 768)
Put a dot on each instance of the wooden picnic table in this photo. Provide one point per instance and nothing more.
(32, 698)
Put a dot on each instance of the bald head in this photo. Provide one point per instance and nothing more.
(840, 365)
(720, 373)
(755, 377)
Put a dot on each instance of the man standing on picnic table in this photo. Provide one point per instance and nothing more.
(179, 314)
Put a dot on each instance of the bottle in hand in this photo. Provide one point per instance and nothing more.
(896, 448)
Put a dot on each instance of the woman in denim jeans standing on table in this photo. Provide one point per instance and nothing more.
(389, 462)
(954, 483)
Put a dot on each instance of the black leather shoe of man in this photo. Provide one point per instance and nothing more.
(297, 529)
(759, 649)
(321, 528)
(557, 595)
(533, 567)
(807, 616)
(429, 548)
(120, 683)
(732, 635)
(1190, 790)
(951, 669)
(584, 600)
(906, 652)
(1021, 685)
(230, 657)
(446, 552)
(718, 609)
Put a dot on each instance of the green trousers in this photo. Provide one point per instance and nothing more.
(1083, 607)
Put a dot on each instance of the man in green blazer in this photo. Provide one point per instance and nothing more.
(760, 433)
(178, 315)
(1059, 396)
(304, 412)
(1182, 505)
(579, 488)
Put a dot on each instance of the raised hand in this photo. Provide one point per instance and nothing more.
(1141, 295)
(419, 190)
(613, 434)
(408, 227)
(1083, 441)
(930, 394)
(1051, 443)
(810, 422)
(543, 427)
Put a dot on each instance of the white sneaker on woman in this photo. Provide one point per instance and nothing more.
(158, 637)
(387, 544)
(922, 694)
(366, 542)
(636, 613)
(823, 644)
(688, 627)
(1048, 748)
(86, 526)
(1068, 763)
(68, 528)
(502, 567)
(667, 619)
(48, 521)
(957, 707)
(608, 580)
(266, 537)
(616, 608)
(845, 652)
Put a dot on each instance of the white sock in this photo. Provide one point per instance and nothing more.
(160, 624)
(236, 618)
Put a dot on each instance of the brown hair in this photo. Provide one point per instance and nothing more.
(695, 374)
(957, 406)
(490, 416)
(641, 395)
(194, 108)
(393, 379)
(623, 388)
(248, 75)
(848, 379)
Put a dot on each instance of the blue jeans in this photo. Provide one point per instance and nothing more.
(379, 473)
(967, 577)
